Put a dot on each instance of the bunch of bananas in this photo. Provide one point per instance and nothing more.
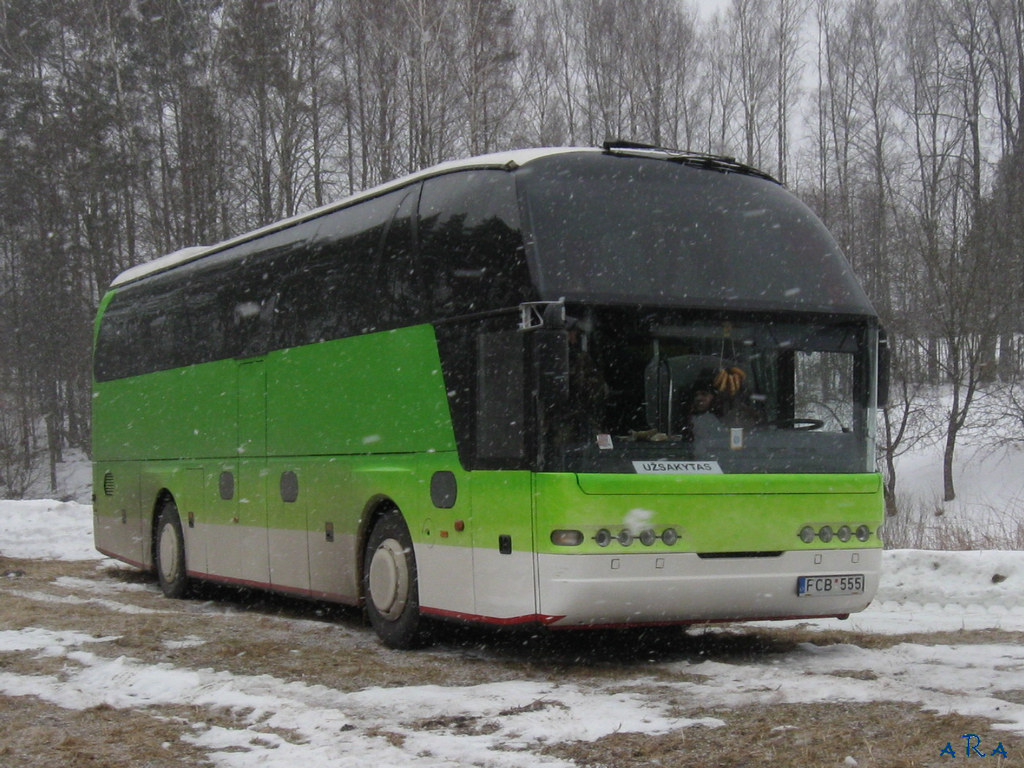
(729, 380)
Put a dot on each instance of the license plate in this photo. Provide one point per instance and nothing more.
(812, 586)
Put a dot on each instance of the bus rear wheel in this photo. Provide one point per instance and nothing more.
(169, 552)
(390, 584)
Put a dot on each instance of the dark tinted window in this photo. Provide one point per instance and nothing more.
(471, 248)
(370, 266)
(403, 293)
(220, 306)
(329, 293)
(471, 260)
(635, 230)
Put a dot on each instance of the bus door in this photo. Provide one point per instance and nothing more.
(503, 500)
(250, 537)
(504, 553)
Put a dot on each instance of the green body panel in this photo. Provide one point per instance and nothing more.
(184, 413)
(317, 412)
(321, 399)
(380, 393)
(689, 485)
(711, 513)
(502, 506)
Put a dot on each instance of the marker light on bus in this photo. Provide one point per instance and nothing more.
(826, 534)
(647, 537)
(564, 538)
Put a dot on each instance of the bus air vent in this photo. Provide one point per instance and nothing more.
(108, 484)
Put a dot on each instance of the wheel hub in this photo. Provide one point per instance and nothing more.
(389, 579)
(168, 552)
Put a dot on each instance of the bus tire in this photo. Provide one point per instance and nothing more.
(390, 585)
(169, 552)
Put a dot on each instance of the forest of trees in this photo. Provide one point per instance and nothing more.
(130, 128)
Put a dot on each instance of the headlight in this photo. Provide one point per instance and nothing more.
(567, 538)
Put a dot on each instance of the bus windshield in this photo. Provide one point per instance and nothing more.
(626, 230)
(664, 393)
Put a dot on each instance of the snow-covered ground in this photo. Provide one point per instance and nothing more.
(989, 480)
(921, 592)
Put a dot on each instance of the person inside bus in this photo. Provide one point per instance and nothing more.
(703, 408)
(718, 399)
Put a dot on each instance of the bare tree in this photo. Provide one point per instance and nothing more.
(484, 68)
(756, 67)
(542, 118)
(963, 289)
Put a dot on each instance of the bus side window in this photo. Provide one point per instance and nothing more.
(329, 296)
(141, 329)
(114, 343)
(164, 320)
(208, 334)
(401, 295)
(471, 243)
(243, 288)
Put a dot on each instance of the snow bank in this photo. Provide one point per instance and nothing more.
(47, 530)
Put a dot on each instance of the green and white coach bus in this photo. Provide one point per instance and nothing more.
(554, 387)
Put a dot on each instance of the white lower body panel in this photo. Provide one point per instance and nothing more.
(615, 590)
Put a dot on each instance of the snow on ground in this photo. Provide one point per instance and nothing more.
(922, 591)
(988, 476)
(49, 530)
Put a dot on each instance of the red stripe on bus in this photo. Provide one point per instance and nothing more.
(533, 618)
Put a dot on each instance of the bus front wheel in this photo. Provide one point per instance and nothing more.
(390, 584)
(169, 552)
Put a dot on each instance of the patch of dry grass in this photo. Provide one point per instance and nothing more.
(35, 734)
(875, 735)
(921, 524)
